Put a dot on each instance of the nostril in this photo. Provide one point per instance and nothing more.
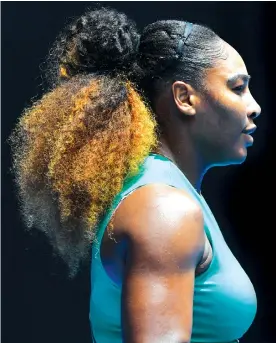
(254, 115)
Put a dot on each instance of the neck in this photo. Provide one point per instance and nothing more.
(177, 141)
(186, 159)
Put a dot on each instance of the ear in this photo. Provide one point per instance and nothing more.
(184, 97)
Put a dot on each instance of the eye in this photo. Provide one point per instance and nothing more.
(239, 89)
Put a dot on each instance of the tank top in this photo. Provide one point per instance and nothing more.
(224, 304)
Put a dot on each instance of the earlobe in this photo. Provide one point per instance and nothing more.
(183, 98)
(190, 111)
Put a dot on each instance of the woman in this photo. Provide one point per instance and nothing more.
(113, 156)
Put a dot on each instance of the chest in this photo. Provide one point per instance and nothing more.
(223, 294)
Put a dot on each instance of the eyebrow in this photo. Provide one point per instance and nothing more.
(236, 77)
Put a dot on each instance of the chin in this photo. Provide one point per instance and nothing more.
(241, 156)
(238, 158)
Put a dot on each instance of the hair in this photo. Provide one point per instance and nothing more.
(74, 147)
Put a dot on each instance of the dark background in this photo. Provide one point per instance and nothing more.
(39, 305)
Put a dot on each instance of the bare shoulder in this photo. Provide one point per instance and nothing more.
(164, 230)
(158, 217)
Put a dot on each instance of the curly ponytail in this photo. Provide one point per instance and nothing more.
(73, 148)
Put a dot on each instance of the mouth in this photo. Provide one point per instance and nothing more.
(249, 130)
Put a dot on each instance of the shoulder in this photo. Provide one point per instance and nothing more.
(159, 218)
(165, 241)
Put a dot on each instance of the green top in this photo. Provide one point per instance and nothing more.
(224, 303)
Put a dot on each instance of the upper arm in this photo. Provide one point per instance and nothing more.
(165, 243)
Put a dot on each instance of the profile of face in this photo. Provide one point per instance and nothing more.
(224, 113)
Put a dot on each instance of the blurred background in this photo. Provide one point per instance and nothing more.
(39, 304)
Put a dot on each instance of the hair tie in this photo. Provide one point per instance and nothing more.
(186, 34)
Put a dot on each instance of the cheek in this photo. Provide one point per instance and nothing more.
(229, 113)
(223, 119)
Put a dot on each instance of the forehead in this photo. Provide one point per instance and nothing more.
(225, 68)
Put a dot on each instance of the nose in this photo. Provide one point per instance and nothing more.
(254, 109)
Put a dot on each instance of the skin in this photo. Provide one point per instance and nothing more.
(214, 120)
(155, 253)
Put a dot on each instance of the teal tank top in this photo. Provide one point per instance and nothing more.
(224, 299)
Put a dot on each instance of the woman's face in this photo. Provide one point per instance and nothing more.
(225, 112)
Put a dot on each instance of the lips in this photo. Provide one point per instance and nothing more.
(249, 130)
